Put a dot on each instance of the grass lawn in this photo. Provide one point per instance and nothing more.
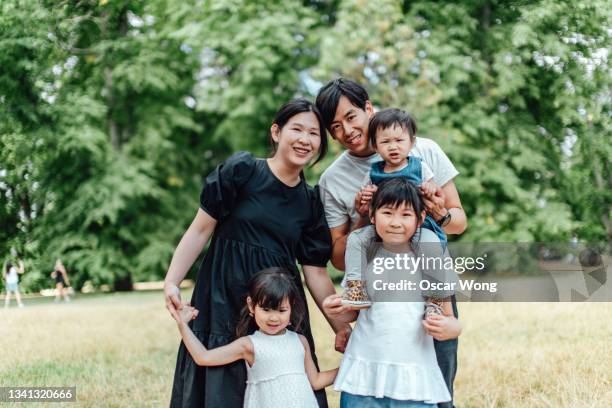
(120, 350)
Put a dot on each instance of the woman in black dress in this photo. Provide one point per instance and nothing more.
(260, 214)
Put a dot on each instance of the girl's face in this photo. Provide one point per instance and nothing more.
(396, 225)
(271, 321)
(299, 140)
(393, 144)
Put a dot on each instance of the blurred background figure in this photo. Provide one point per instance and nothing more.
(10, 273)
(61, 281)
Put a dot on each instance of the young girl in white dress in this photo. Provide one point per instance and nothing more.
(390, 360)
(280, 369)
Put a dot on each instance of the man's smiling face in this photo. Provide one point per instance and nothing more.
(350, 127)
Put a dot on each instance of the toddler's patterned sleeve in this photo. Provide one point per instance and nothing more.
(223, 184)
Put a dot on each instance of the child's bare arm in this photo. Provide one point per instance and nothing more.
(241, 348)
(318, 380)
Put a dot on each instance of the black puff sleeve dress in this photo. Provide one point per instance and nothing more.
(261, 223)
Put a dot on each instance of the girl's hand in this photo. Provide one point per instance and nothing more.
(442, 327)
(173, 300)
(187, 314)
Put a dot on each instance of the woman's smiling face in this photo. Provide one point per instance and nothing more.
(299, 140)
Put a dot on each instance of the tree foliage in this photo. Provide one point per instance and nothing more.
(113, 111)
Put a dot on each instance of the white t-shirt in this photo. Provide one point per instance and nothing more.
(344, 178)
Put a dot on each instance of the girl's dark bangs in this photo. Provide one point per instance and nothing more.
(272, 297)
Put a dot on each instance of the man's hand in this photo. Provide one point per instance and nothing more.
(434, 204)
(342, 338)
(442, 327)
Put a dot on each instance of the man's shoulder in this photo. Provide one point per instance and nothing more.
(329, 173)
(425, 144)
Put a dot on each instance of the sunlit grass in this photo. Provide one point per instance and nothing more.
(120, 350)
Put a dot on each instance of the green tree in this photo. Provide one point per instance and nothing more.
(517, 101)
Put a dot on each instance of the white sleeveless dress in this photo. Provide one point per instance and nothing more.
(278, 377)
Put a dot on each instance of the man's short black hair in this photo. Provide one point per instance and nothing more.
(391, 117)
(329, 97)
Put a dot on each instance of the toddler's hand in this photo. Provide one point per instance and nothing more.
(428, 188)
(187, 313)
(363, 198)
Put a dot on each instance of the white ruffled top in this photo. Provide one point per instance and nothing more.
(278, 376)
(390, 355)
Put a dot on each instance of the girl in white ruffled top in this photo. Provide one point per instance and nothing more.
(390, 360)
(280, 369)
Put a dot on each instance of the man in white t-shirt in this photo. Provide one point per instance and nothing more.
(346, 111)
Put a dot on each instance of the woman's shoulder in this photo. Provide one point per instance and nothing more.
(241, 159)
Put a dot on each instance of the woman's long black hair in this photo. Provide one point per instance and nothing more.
(268, 289)
(294, 107)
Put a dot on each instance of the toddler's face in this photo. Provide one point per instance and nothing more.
(393, 144)
(273, 321)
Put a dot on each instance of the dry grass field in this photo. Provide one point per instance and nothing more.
(119, 350)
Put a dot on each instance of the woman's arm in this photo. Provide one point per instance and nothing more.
(333, 307)
(185, 254)
(318, 380)
(320, 287)
(239, 349)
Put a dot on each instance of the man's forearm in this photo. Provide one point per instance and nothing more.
(458, 222)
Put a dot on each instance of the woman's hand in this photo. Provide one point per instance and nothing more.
(173, 300)
(442, 327)
(333, 307)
